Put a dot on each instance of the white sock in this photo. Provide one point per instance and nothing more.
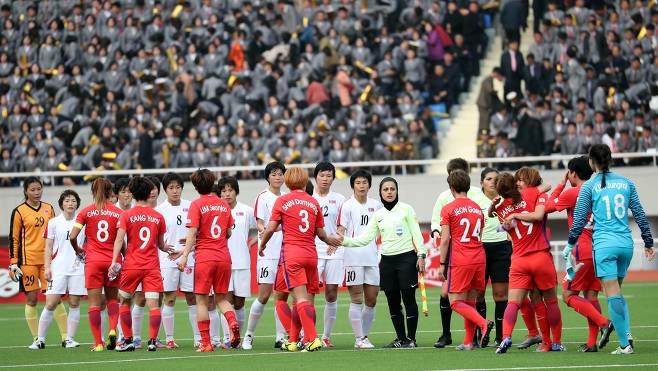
(105, 324)
(72, 322)
(168, 321)
(191, 314)
(368, 317)
(355, 320)
(44, 323)
(330, 310)
(225, 329)
(240, 316)
(255, 313)
(138, 317)
(214, 324)
(280, 330)
(119, 329)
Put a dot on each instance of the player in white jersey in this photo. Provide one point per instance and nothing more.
(267, 264)
(174, 210)
(122, 193)
(330, 267)
(361, 265)
(64, 271)
(239, 244)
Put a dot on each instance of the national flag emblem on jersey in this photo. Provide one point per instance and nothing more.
(371, 209)
(185, 209)
(239, 213)
(332, 202)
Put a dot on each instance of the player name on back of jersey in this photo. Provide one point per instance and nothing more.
(511, 208)
(210, 208)
(611, 185)
(467, 209)
(295, 201)
(104, 212)
(144, 218)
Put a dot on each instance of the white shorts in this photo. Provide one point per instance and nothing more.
(333, 271)
(173, 279)
(356, 276)
(73, 285)
(266, 272)
(240, 283)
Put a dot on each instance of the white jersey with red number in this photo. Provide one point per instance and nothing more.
(330, 208)
(175, 217)
(355, 218)
(263, 210)
(238, 245)
(64, 260)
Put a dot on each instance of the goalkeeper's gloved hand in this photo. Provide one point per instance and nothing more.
(572, 267)
(16, 273)
(567, 251)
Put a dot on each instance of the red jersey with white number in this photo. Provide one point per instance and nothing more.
(526, 237)
(566, 200)
(143, 226)
(300, 215)
(100, 231)
(211, 216)
(465, 219)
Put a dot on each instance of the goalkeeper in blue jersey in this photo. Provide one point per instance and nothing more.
(609, 196)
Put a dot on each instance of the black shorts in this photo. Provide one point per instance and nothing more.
(397, 272)
(499, 255)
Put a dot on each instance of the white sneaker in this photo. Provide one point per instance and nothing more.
(38, 344)
(247, 342)
(620, 350)
(70, 343)
(363, 343)
(216, 341)
(197, 343)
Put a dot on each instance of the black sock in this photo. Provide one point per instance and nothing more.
(411, 308)
(500, 313)
(395, 309)
(481, 307)
(446, 314)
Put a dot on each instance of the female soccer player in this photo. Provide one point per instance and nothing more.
(609, 196)
(63, 270)
(301, 218)
(26, 252)
(400, 263)
(462, 221)
(100, 219)
(209, 225)
(532, 265)
(361, 271)
(122, 193)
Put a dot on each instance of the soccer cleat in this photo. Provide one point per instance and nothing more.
(363, 343)
(235, 336)
(112, 336)
(152, 345)
(529, 341)
(63, 343)
(477, 337)
(605, 335)
(171, 344)
(203, 348)
(98, 348)
(38, 344)
(247, 342)
(409, 343)
(126, 346)
(220, 344)
(138, 343)
(464, 347)
(504, 346)
(630, 341)
(543, 347)
(216, 342)
(289, 347)
(278, 342)
(587, 349)
(484, 340)
(443, 341)
(394, 344)
(557, 347)
(159, 344)
(313, 346)
(620, 350)
(70, 343)
(196, 343)
(326, 342)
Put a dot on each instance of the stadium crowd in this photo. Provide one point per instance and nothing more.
(170, 84)
(589, 77)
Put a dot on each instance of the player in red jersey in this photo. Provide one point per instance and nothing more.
(522, 213)
(209, 223)
(587, 305)
(301, 220)
(100, 222)
(462, 221)
(144, 230)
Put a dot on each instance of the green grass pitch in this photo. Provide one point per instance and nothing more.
(642, 299)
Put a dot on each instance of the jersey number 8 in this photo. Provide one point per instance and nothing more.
(102, 234)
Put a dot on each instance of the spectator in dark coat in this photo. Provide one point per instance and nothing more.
(512, 66)
(513, 17)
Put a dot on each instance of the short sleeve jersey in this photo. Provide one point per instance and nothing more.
(466, 220)
(526, 237)
(175, 217)
(355, 218)
(299, 215)
(263, 210)
(63, 261)
(566, 200)
(143, 226)
(330, 208)
(211, 216)
(238, 244)
(100, 231)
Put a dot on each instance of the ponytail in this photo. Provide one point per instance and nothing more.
(101, 189)
(601, 156)
(506, 187)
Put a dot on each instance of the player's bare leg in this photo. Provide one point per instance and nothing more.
(330, 310)
(255, 313)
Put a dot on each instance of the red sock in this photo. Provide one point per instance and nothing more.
(542, 320)
(204, 329)
(306, 315)
(470, 313)
(554, 317)
(295, 325)
(593, 326)
(155, 317)
(230, 318)
(528, 315)
(95, 323)
(284, 313)
(509, 318)
(126, 321)
(587, 309)
(113, 313)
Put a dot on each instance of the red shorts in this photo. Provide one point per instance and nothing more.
(585, 278)
(96, 275)
(213, 275)
(463, 278)
(534, 270)
(151, 280)
(298, 272)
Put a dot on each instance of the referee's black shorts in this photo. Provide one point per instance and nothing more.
(499, 255)
(398, 272)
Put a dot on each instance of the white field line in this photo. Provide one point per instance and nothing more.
(555, 367)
